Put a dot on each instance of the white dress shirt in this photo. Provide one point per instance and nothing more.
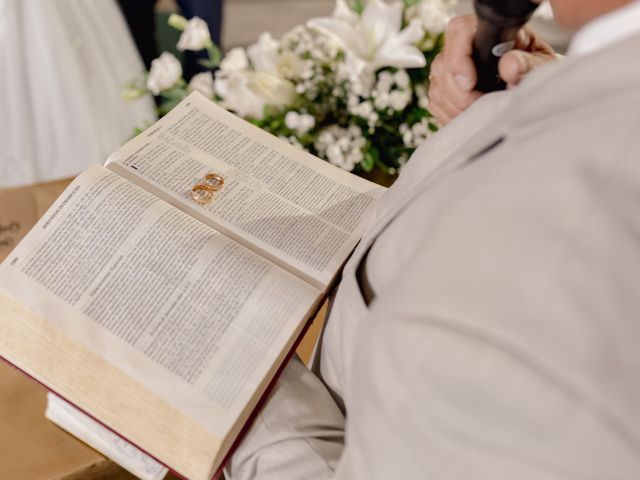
(607, 29)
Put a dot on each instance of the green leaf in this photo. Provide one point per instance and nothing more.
(215, 54)
(357, 6)
(206, 63)
(369, 161)
(175, 93)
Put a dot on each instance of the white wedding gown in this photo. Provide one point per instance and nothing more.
(63, 64)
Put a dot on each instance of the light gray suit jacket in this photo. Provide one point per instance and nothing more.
(504, 339)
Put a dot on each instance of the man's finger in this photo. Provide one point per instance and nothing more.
(437, 112)
(437, 103)
(514, 65)
(458, 48)
(525, 39)
(460, 99)
(437, 66)
(529, 41)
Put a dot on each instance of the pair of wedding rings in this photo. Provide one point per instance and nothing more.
(202, 192)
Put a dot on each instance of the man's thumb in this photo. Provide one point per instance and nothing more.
(514, 65)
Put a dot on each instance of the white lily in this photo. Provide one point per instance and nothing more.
(247, 90)
(344, 12)
(376, 37)
(195, 36)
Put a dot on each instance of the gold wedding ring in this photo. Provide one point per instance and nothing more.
(214, 180)
(202, 194)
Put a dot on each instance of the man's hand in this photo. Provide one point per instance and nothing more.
(453, 74)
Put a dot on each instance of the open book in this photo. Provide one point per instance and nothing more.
(164, 319)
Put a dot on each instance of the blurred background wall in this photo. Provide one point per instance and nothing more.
(244, 20)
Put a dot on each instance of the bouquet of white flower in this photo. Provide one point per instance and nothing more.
(350, 88)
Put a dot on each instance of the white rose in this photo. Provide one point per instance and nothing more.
(195, 36)
(235, 60)
(164, 74)
(264, 54)
(203, 83)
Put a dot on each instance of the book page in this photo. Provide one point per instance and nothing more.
(290, 206)
(132, 459)
(189, 313)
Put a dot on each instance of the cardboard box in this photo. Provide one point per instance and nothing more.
(31, 447)
(21, 207)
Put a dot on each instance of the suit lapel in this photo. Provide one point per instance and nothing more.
(480, 144)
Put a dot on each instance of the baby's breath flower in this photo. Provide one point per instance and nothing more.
(341, 146)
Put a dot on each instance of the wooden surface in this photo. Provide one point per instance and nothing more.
(31, 447)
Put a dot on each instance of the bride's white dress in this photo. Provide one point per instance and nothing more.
(63, 64)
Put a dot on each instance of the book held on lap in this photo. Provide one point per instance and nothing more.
(103, 440)
(163, 318)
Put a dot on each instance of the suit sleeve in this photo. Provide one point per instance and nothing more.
(299, 434)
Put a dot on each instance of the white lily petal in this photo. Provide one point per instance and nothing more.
(411, 34)
(342, 11)
(375, 38)
(404, 57)
(343, 33)
(400, 50)
(381, 20)
(358, 69)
